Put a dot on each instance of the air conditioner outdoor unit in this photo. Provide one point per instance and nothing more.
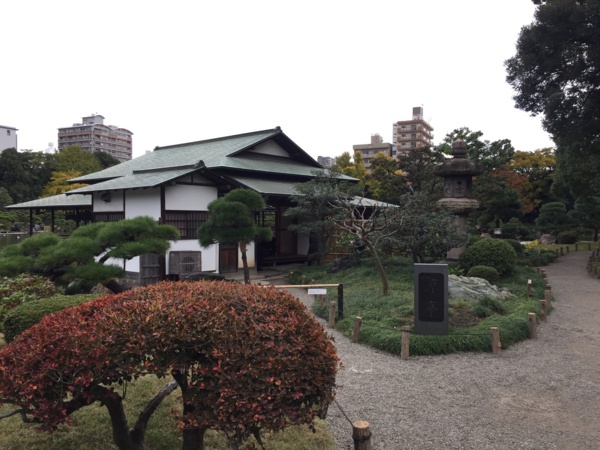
(185, 263)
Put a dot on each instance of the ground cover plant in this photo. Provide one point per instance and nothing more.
(384, 316)
(244, 358)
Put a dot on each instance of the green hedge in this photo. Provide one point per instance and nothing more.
(26, 315)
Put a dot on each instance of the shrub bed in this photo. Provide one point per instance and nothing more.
(495, 253)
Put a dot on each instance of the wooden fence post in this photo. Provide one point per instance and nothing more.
(303, 279)
(533, 325)
(496, 344)
(549, 290)
(543, 310)
(331, 314)
(340, 301)
(405, 349)
(356, 329)
(361, 434)
(528, 288)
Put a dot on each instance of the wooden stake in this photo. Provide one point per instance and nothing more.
(332, 314)
(543, 310)
(528, 288)
(404, 351)
(496, 344)
(303, 279)
(533, 325)
(361, 434)
(568, 249)
(356, 329)
(549, 289)
(322, 298)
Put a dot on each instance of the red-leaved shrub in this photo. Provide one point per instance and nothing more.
(245, 357)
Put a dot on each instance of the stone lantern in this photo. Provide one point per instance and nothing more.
(458, 175)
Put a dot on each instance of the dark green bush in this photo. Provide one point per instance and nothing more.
(539, 257)
(516, 245)
(514, 229)
(567, 237)
(486, 272)
(495, 253)
(26, 315)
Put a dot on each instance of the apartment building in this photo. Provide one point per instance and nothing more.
(93, 136)
(326, 161)
(368, 151)
(8, 137)
(411, 134)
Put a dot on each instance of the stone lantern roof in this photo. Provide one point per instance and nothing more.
(459, 165)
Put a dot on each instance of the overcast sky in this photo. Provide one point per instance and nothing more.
(329, 72)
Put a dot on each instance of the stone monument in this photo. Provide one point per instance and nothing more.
(458, 173)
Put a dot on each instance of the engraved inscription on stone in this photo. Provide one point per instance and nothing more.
(431, 301)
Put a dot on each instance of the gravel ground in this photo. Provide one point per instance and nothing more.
(539, 394)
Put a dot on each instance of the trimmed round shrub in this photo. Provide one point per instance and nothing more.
(567, 237)
(495, 253)
(514, 229)
(27, 315)
(516, 245)
(15, 291)
(486, 272)
(246, 358)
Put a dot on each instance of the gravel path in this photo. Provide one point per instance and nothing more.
(539, 394)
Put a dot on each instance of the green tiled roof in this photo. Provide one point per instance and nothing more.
(137, 180)
(273, 187)
(212, 152)
(226, 157)
(61, 201)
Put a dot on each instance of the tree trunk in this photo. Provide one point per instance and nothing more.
(243, 248)
(378, 265)
(193, 437)
(121, 435)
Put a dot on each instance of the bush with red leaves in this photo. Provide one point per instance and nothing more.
(245, 357)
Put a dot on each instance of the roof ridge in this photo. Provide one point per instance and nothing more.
(222, 138)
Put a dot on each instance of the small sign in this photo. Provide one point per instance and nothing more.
(317, 292)
(431, 298)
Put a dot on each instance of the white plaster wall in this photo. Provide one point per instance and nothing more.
(189, 198)
(143, 202)
(270, 148)
(115, 204)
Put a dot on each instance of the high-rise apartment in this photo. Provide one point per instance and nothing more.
(411, 134)
(326, 161)
(93, 136)
(8, 137)
(368, 151)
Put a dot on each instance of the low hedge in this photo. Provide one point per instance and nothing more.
(28, 314)
(486, 272)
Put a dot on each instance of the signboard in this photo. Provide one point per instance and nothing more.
(317, 292)
(431, 298)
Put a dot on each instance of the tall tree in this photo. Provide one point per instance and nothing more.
(312, 213)
(386, 182)
(345, 165)
(24, 174)
(58, 183)
(418, 166)
(586, 212)
(231, 221)
(555, 74)
(74, 158)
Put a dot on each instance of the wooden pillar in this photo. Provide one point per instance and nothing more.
(528, 289)
(331, 314)
(496, 344)
(533, 325)
(361, 434)
(356, 329)
(543, 310)
(340, 301)
(405, 349)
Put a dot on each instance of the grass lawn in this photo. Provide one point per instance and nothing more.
(384, 316)
(92, 430)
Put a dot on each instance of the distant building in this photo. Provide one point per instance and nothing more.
(411, 134)
(326, 161)
(8, 137)
(93, 136)
(368, 151)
